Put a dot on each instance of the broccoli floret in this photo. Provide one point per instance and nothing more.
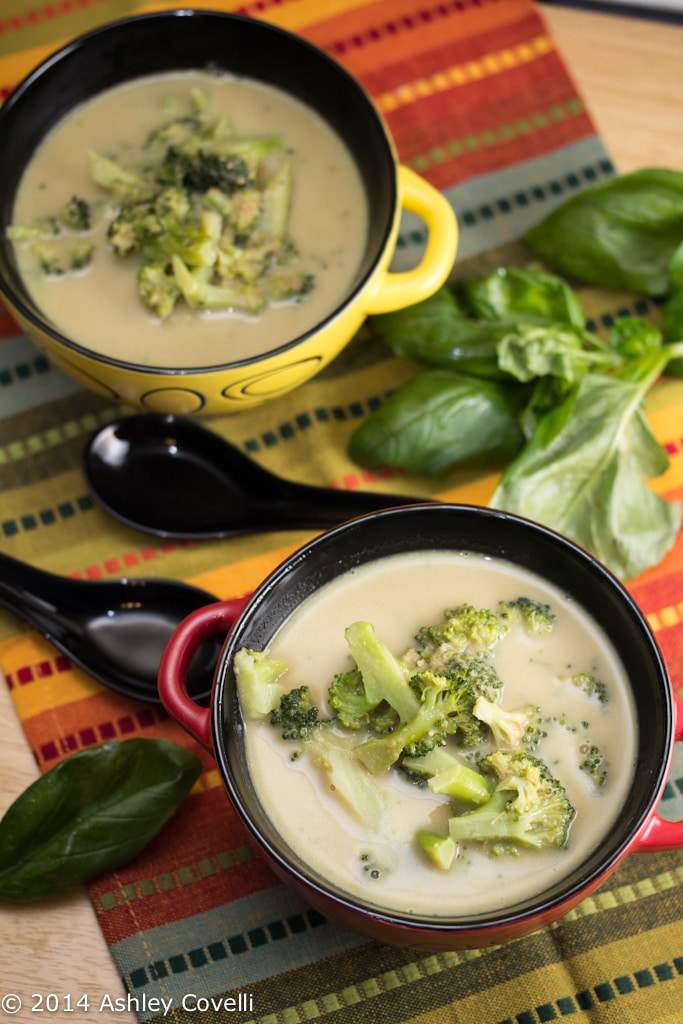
(535, 616)
(76, 214)
(348, 698)
(528, 806)
(257, 677)
(295, 714)
(593, 763)
(465, 628)
(202, 294)
(511, 729)
(49, 259)
(81, 255)
(444, 707)
(591, 686)
(157, 288)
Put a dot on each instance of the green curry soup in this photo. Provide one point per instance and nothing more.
(98, 305)
(398, 595)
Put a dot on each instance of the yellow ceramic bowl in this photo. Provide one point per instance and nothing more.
(186, 39)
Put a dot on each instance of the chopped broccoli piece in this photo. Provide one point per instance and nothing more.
(591, 686)
(384, 678)
(257, 677)
(444, 707)
(296, 714)
(528, 805)
(81, 255)
(298, 719)
(348, 698)
(510, 729)
(535, 616)
(157, 288)
(439, 849)
(76, 214)
(465, 628)
(462, 783)
(593, 764)
(201, 294)
(446, 773)
(120, 181)
(49, 259)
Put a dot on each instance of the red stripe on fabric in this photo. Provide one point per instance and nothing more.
(129, 560)
(9, 328)
(204, 829)
(30, 673)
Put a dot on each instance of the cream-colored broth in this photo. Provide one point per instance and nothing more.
(99, 307)
(398, 595)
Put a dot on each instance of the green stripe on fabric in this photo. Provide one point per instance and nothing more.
(501, 134)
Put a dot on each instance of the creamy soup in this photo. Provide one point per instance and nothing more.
(99, 308)
(398, 595)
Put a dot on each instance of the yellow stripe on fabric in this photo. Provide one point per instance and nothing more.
(463, 74)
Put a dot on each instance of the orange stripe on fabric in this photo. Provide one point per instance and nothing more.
(391, 32)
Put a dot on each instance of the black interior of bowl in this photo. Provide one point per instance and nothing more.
(483, 531)
(184, 40)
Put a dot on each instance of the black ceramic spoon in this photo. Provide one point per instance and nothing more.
(174, 478)
(116, 630)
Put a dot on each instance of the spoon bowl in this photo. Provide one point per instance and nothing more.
(171, 477)
(115, 630)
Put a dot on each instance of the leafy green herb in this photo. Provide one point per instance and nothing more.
(437, 420)
(585, 470)
(90, 814)
(625, 232)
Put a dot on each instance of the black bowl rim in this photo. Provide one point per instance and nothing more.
(43, 325)
(544, 906)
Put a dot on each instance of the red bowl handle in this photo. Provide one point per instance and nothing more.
(175, 663)
(660, 834)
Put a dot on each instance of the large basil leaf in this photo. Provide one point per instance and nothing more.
(439, 420)
(584, 473)
(620, 233)
(91, 813)
(522, 294)
(436, 331)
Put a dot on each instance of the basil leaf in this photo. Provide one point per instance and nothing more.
(672, 324)
(439, 420)
(620, 233)
(91, 813)
(530, 351)
(436, 331)
(632, 337)
(584, 473)
(523, 294)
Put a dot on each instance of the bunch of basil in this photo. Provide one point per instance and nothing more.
(514, 376)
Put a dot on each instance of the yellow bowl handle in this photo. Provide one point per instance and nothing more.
(403, 288)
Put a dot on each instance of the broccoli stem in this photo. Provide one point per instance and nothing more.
(462, 783)
(384, 677)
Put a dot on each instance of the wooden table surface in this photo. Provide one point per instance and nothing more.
(630, 74)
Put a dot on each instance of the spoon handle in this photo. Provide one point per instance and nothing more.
(30, 594)
(309, 506)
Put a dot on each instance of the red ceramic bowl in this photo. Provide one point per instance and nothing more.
(446, 527)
